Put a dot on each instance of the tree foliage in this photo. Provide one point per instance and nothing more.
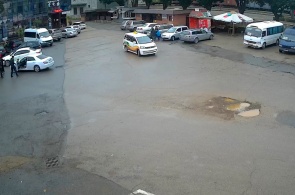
(134, 3)
(241, 4)
(120, 2)
(278, 7)
(1, 6)
(106, 2)
(208, 3)
(148, 3)
(165, 3)
(185, 3)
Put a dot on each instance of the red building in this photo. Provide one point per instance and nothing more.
(199, 18)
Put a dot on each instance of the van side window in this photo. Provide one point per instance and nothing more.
(30, 34)
(184, 28)
(263, 33)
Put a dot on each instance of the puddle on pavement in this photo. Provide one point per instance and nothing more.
(286, 118)
(8, 163)
(275, 66)
(227, 108)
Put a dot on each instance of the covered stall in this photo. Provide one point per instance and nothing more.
(200, 18)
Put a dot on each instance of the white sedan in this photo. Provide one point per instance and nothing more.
(145, 27)
(35, 62)
(21, 53)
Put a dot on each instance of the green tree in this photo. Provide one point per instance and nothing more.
(185, 3)
(134, 3)
(277, 7)
(208, 3)
(106, 2)
(165, 3)
(241, 4)
(120, 2)
(148, 3)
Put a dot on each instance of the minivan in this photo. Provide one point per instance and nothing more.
(40, 34)
(173, 33)
(287, 41)
(139, 43)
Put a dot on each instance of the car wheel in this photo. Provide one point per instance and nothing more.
(263, 45)
(196, 40)
(211, 37)
(138, 53)
(50, 44)
(7, 63)
(173, 38)
(281, 51)
(125, 48)
(37, 68)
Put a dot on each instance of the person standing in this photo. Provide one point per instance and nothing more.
(158, 34)
(153, 33)
(13, 67)
(2, 70)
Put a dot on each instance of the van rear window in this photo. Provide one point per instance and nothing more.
(30, 34)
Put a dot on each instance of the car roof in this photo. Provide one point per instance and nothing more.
(136, 34)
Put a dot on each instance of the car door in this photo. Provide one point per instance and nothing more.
(201, 35)
(206, 34)
(30, 63)
(23, 64)
(177, 33)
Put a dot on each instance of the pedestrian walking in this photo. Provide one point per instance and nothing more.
(13, 67)
(153, 33)
(158, 34)
(2, 70)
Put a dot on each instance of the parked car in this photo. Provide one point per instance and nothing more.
(69, 32)
(162, 28)
(173, 33)
(11, 45)
(133, 24)
(196, 35)
(31, 44)
(287, 41)
(146, 26)
(139, 44)
(124, 24)
(35, 62)
(55, 34)
(19, 54)
(81, 24)
(75, 27)
(2, 51)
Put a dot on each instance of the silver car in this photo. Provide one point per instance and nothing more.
(196, 35)
(75, 27)
(132, 25)
(69, 32)
(173, 33)
(124, 24)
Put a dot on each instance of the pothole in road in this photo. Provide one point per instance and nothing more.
(52, 162)
(227, 108)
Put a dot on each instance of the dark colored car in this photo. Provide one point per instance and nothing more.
(12, 45)
(287, 41)
(2, 51)
(31, 44)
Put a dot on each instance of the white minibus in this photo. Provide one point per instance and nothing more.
(38, 34)
(261, 34)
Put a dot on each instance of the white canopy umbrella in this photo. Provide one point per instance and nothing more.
(233, 17)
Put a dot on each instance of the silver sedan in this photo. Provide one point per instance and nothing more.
(196, 35)
(69, 32)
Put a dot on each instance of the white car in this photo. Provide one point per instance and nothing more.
(81, 24)
(173, 33)
(75, 27)
(35, 62)
(145, 27)
(20, 53)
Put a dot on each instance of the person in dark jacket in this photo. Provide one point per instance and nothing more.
(2, 70)
(13, 67)
(153, 33)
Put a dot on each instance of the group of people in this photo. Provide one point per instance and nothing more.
(156, 34)
(12, 67)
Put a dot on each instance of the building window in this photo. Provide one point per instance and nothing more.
(88, 6)
(81, 10)
(170, 18)
(75, 11)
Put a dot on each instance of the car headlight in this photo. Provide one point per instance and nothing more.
(142, 47)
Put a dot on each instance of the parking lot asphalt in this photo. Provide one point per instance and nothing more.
(139, 122)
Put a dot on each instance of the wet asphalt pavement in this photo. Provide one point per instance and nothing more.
(103, 121)
(33, 128)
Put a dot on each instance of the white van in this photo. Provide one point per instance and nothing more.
(261, 34)
(139, 44)
(40, 34)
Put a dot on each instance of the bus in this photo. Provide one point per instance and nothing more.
(262, 34)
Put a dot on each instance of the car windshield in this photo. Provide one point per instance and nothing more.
(41, 57)
(124, 22)
(171, 30)
(44, 34)
(253, 31)
(289, 35)
(143, 40)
